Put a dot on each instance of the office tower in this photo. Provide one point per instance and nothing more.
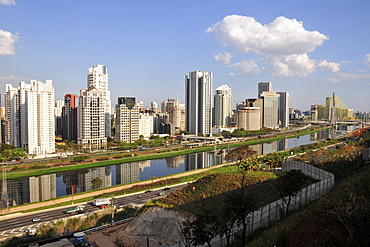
(69, 118)
(91, 119)
(145, 125)
(284, 100)
(30, 117)
(256, 103)
(223, 112)
(270, 110)
(248, 118)
(127, 120)
(58, 117)
(98, 77)
(198, 97)
(154, 107)
(264, 87)
(172, 107)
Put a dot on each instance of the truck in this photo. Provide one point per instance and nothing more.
(102, 202)
(76, 209)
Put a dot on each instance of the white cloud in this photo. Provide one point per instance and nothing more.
(8, 2)
(12, 79)
(341, 77)
(223, 57)
(329, 66)
(281, 37)
(367, 57)
(294, 65)
(7, 40)
(248, 67)
(284, 42)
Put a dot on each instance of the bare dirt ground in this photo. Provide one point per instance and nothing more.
(106, 237)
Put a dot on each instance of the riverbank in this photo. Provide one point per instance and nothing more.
(65, 165)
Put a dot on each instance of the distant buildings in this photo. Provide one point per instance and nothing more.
(223, 103)
(176, 115)
(270, 109)
(264, 87)
(198, 102)
(30, 117)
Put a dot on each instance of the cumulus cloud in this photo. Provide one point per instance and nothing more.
(284, 43)
(7, 40)
(8, 2)
(248, 67)
(329, 66)
(223, 57)
(281, 37)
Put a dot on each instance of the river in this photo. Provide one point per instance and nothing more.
(45, 187)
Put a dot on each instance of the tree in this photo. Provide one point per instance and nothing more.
(251, 163)
(238, 205)
(202, 229)
(289, 185)
(276, 160)
(96, 183)
(240, 154)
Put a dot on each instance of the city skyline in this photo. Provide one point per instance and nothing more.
(319, 47)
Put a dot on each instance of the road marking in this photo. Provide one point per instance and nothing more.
(3, 233)
(21, 229)
(12, 231)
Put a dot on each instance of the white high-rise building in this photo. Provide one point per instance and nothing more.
(98, 77)
(173, 108)
(198, 102)
(145, 125)
(91, 119)
(284, 109)
(30, 117)
(270, 109)
(223, 112)
(127, 120)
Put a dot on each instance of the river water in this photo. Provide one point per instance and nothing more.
(45, 187)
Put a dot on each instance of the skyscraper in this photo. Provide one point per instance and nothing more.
(91, 116)
(270, 109)
(264, 87)
(127, 120)
(98, 77)
(198, 102)
(69, 118)
(284, 100)
(223, 112)
(30, 117)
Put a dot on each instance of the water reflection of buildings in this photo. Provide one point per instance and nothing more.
(175, 162)
(127, 172)
(205, 159)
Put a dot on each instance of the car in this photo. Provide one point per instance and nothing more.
(36, 219)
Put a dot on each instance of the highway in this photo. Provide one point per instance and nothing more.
(19, 222)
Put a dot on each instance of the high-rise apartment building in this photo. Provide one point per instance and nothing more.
(98, 77)
(198, 101)
(264, 87)
(284, 100)
(30, 117)
(58, 117)
(91, 119)
(172, 107)
(127, 120)
(69, 118)
(145, 125)
(223, 101)
(270, 109)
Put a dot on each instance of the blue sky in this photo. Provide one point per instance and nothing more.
(307, 48)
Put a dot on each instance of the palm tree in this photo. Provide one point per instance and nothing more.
(276, 160)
